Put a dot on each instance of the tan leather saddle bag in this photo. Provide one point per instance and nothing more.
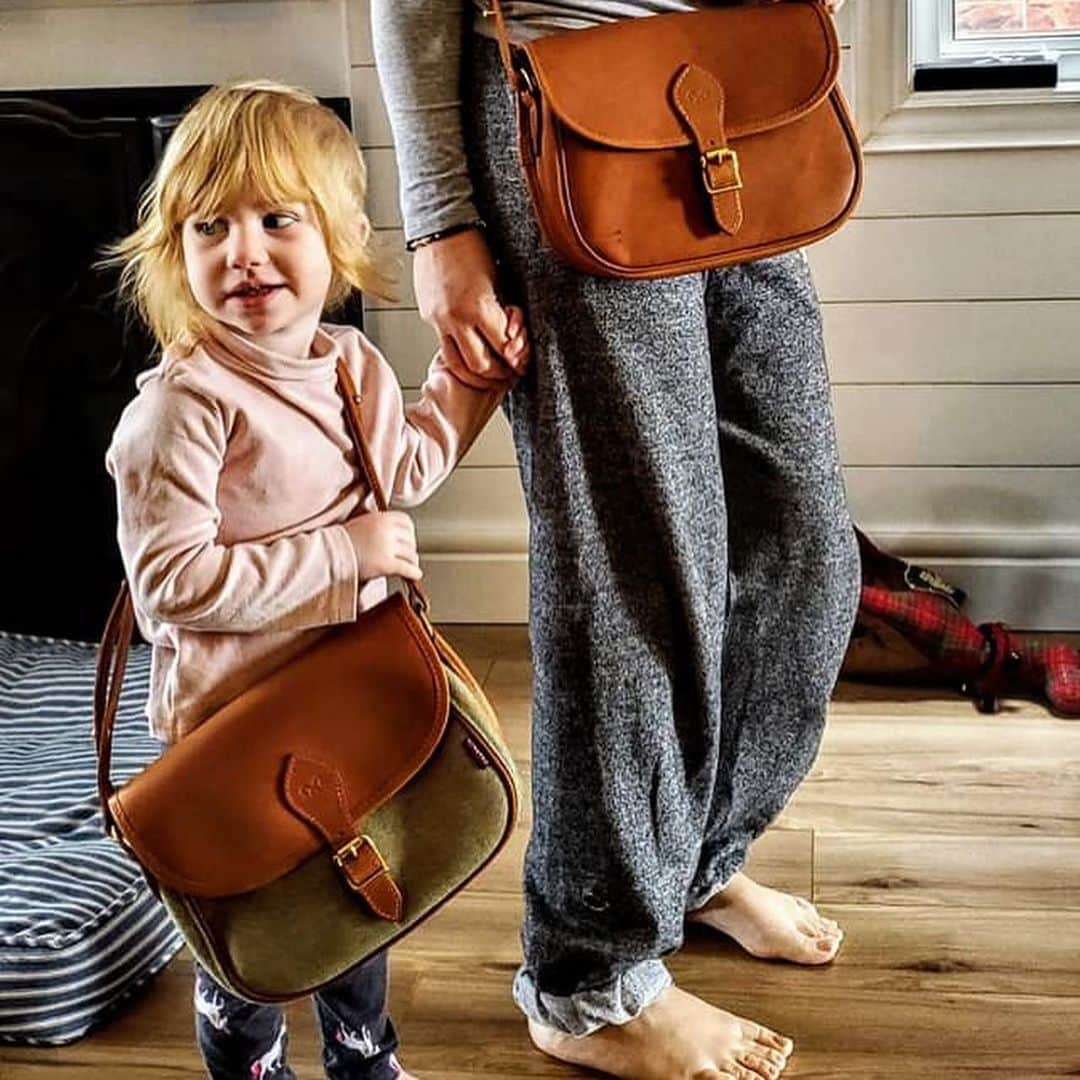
(670, 144)
(325, 811)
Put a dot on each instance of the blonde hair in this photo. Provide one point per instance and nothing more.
(247, 140)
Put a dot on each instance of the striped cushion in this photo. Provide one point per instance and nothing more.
(79, 929)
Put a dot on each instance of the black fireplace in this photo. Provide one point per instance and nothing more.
(74, 162)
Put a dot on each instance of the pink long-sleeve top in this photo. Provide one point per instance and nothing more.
(234, 471)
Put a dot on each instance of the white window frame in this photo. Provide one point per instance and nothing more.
(933, 37)
(895, 119)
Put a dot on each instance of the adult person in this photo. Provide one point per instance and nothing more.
(694, 573)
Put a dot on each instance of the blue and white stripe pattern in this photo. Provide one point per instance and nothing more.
(79, 928)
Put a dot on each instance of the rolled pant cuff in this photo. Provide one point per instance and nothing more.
(717, 880)
(586, 1011)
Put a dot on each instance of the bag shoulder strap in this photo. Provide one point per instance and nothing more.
(120, 626)
(493, 9)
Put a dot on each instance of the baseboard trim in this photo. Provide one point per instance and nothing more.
(1028, 594)
(479, 587)
(996, 545)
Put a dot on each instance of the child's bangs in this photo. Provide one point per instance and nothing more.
(261, 167)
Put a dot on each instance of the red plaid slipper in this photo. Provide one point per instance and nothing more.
(915, 607)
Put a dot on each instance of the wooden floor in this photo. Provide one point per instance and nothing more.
(946, 842)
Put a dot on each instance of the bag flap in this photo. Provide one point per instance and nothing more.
(370, 699)
(612, 83)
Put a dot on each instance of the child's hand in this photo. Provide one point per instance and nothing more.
(516, 349)
(513, 348)
(385, 545)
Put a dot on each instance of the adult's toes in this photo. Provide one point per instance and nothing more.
(823, 929)
(814, 917)
(759, 1071)
(827, 947)
(771, 1040)
(769, 1063)
(813, 948)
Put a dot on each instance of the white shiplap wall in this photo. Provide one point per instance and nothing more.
(952, 313)
(84, 43)
(473, 533)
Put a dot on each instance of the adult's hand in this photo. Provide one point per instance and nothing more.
(455, 292)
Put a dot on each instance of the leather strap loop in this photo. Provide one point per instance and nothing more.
(112, 660)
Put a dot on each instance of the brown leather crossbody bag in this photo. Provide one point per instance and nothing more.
(669, 144)
(325, 811)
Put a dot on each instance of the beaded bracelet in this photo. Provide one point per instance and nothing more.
(452, 230)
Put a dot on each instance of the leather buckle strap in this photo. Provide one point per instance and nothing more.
(367, 873)
(349, 852)
(493, 10)
(418, 600)
(716, 159)
(699, 99)
(315, 792)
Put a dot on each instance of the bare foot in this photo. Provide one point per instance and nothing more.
(770, 924)
(678, 1037)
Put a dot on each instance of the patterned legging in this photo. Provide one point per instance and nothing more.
(240, 1040)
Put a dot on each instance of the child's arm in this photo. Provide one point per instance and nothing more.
(419, 445)
(166, 457)
(437, 432)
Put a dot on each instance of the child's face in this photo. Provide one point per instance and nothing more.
(262, 270)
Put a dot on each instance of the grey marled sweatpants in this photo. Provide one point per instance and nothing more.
(694, 581)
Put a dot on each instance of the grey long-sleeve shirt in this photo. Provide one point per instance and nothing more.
(418, 46)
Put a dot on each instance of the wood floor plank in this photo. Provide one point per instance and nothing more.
(838, 1031)
(870, 699)
(947, 843)
(1040, 873)
(990, 775)
(478, 642)
(920, 950)
(514, 717)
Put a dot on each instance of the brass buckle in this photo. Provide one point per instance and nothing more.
(347, 852)
(718, 157)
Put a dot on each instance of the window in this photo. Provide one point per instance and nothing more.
(1015, 18)
(959, 29)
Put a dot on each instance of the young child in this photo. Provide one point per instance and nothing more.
(245, 525)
